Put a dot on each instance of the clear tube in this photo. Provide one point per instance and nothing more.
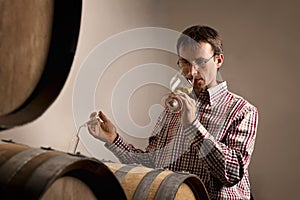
(75, 139)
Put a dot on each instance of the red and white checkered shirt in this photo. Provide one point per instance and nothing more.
(217, 146)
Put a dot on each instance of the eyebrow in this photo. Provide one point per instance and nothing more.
(181, 58)
(200, 58)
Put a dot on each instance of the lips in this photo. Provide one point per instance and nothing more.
(198, 80)
(199, 83)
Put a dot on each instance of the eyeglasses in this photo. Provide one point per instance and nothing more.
(199, 62)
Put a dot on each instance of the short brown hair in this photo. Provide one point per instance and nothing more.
(195, 34)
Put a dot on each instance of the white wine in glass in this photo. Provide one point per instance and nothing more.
(178, 82)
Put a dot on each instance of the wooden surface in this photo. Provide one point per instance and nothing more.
(25, 37)
(131, 178)
(68, 188)
(38, 41)
(34, 173)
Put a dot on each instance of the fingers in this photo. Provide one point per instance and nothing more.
(103, 126)
(188, 104)
(104, 121)
(187, 100)
(102, 116)
(93, 129)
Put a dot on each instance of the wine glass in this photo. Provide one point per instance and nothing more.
(178, 82)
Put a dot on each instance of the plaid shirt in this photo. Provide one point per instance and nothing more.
(217, 146)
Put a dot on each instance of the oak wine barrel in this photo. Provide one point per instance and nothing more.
(43, 173)
(38, 40)
(142, 183)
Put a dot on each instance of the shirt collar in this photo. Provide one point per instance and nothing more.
(212, 95)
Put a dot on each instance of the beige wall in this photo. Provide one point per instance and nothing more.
(261, 64)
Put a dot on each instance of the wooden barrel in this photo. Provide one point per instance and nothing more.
(141, 183)
(38, 39)
(39, 173)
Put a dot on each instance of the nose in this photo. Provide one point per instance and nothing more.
(192, 70)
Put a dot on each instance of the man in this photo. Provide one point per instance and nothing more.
(212, 136)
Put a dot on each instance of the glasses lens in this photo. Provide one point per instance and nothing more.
(183, 63)
(200, 62)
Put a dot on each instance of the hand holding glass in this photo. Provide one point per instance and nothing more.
(178, 82)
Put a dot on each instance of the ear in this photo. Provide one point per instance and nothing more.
(219, 59)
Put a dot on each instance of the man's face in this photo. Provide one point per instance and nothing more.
(205, 74)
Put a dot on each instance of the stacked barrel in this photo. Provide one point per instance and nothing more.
(44, 173)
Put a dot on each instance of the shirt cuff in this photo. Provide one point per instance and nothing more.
(115, 144)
